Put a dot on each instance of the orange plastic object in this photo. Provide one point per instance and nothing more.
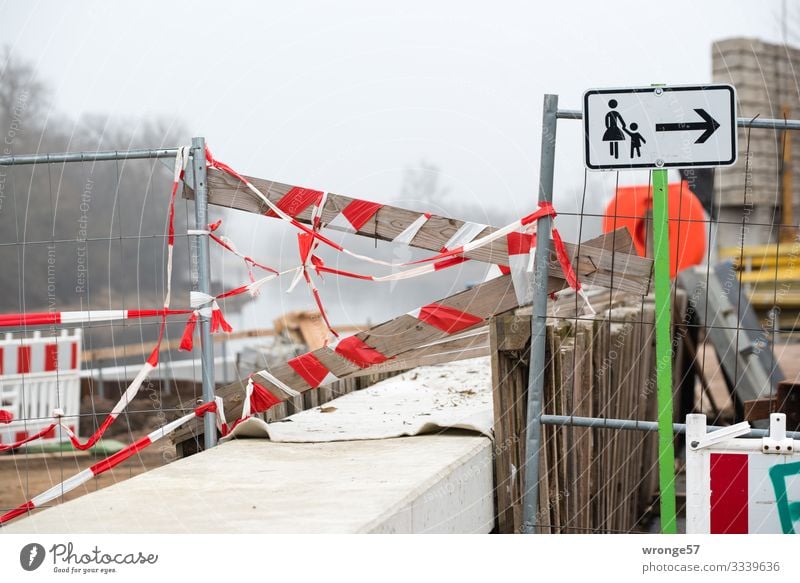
(632, 208)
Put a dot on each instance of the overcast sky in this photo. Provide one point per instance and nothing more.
(343, 96)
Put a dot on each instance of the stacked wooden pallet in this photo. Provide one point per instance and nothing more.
(597, 366)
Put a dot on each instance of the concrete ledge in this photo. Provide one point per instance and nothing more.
(439, 483)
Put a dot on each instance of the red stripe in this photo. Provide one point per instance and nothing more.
(504, 269)
(520, 243)
(359, 352)
(358, 212)
(34, 319)
(310, 368)
(296, 201)
(154, 313)
(447, 319)
(6, 416)
(445, 263)
(563, 259)
(304, 244)
(729, 492)
(22, 438)
(234, 292)
(545, 209)
(262, 399)
(74, 356)
(171, 222)
(320, 267)
(12, 514)
(120, 456)
(50, 357)
(23, 359)
(95, 437)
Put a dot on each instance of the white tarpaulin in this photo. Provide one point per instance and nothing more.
(427, 399)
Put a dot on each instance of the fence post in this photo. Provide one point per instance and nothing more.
(533, 433)
(204, 285)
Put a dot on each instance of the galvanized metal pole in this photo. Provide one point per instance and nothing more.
(100, 155)
(533, 433)
(742, 122)
(636, 425)
(204, 285)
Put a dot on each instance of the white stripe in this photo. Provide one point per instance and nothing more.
(407, 273)
(329, 378)
(465, 234)
(279, 383)
(133, 388)
(319, 208)
(93, 316)
(221, 420)
(199, 232)
(485, 240)
(181, 161)
(168, 295)
(197, 299)
(10, 352)
(341, 223)
(415, 313)
(408, 234)
(66, 486)
(254, 286)
(295, 280)
(36, 363)
(157, 434)
(248, 392)
(521, 278)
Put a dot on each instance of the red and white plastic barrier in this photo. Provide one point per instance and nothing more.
(740, 485)
(38, 375)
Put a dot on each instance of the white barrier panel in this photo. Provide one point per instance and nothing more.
(38, 375)
(738, 485)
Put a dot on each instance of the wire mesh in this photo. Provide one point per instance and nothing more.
(86, 236)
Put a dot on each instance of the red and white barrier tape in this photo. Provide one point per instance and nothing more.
(178, 171)
(32, 319)
(227, 244)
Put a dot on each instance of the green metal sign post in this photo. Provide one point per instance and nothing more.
(657, 128)
(666, 450)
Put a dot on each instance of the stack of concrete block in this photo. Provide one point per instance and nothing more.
(765, 77)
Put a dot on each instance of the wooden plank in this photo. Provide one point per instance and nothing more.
(462, 348)
(509, 387)
(593, 265)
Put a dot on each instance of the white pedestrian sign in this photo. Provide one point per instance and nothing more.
(660, 127)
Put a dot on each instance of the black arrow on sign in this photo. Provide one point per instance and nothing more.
(709, 125)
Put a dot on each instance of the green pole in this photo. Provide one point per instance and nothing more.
(666, 451)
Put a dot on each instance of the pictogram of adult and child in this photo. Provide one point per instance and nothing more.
(616, 128)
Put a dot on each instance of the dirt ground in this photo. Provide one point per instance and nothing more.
(23, 476)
